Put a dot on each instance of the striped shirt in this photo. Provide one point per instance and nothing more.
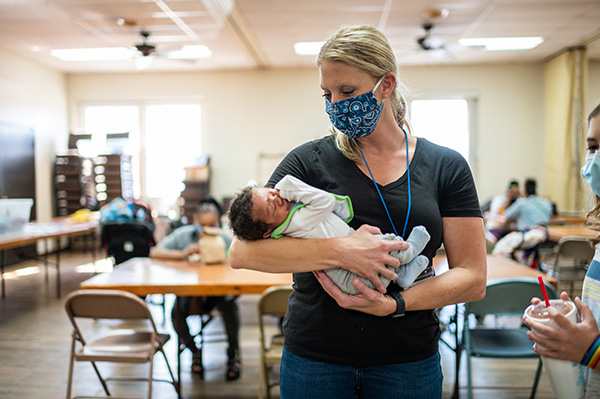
(591, 296)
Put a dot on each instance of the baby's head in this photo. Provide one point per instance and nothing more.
(256, 212)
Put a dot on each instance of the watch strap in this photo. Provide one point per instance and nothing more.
(400, 305)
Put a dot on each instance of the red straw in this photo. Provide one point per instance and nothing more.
(544, 291)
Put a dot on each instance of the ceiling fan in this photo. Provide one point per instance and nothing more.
(436, 46)
(145, 52)
(430, 41)
(433, 44)
(144, 48)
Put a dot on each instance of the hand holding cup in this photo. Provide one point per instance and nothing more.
(547, 323)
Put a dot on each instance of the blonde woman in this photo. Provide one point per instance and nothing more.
(381, 343)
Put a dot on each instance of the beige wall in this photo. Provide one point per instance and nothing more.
(32, 95)
(509, 110)
(247, 113)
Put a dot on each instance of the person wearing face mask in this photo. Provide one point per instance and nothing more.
(580, 342)
(382, 342)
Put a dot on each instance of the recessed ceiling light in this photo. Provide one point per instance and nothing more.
(503, 43)
(92, 54)
(308, 48)
(191, 53)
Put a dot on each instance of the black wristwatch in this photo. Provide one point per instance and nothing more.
(400, 305)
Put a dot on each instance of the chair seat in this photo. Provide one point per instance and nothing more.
(123, 345)
(501, 343)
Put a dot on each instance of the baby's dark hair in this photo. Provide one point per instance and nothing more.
(240, 217)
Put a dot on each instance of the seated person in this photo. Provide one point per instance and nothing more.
(296, 209)
(496, 225)
(531, 210)
(180, 244)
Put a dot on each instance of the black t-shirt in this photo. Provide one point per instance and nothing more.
(441, 185)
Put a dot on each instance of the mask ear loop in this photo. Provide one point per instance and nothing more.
(379, 192)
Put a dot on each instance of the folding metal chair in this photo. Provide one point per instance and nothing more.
(573, 255)
(135, 344)
(272, 303)
(504, 297)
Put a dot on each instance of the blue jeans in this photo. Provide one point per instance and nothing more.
(301, 378)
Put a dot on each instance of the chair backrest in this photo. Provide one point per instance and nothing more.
(509, 296)
(577, 248)
(106, 304)
(126, 240)
(274, 300)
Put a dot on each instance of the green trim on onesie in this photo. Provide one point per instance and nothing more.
(277, 232)
(348, 203)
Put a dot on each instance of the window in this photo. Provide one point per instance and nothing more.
(443, 121)
(172, 141)
(163, 139)
(102, 120)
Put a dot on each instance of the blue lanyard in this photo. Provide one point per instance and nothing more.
(379, 192)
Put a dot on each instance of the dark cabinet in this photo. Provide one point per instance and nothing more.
(91, 183)
(197, 187)
(17, 172)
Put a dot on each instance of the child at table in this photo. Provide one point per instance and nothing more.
(296, 209)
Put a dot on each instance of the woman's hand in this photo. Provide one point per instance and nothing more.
(367, 301)
(367, 256)
(570, 340)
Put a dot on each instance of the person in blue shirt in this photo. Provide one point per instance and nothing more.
(531, 210)
(182, 243)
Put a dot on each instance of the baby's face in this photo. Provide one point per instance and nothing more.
(269, 207)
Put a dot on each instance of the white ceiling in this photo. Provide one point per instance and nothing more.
(251, 34)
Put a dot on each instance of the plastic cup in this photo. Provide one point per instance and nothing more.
(566, 378)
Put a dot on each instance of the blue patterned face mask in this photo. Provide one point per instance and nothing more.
(591, 171)
(357, 116)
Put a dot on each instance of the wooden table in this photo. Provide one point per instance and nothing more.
(36, 231)
(145, 276)
(555, 233)
(499, 267)
(568, 219)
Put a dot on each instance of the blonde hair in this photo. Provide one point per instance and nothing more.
(367, 49)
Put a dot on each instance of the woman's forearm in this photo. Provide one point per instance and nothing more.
(454, 286)
(283, 255)
(466, 280)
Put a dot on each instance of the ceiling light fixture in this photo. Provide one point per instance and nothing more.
(92, 54)
(192, 52)
(503, 43)
(308, 48)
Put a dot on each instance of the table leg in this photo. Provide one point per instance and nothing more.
(2, 272)
(58, 268)
(179, 343)
(93, 238)
(457, 355)
(46, 261)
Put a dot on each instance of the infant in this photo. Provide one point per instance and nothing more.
(296, 209)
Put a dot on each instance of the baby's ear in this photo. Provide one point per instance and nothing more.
(268, 234)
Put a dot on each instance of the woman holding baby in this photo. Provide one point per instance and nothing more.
(380, 343)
